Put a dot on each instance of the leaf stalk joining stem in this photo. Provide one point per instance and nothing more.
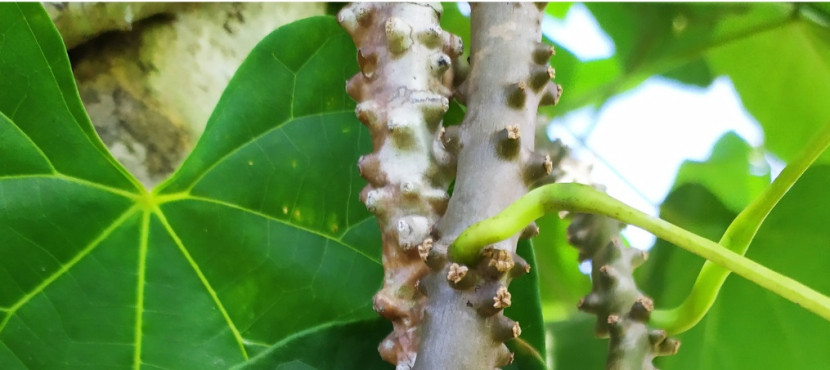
(585, 199)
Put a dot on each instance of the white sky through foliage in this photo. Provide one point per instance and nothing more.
(638, 140)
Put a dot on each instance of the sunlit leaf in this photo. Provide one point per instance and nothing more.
(727, 173)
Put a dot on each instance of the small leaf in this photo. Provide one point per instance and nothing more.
(727, 173)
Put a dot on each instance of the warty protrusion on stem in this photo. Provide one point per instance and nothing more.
(542, 53)
(517, 95)
(622, 310)
(367, 64)
(537, 167)
(530, 231)
(502, 299)
(505, 329)
(398, 37)
(450, 139)
(402, 91)
(412, 231)
(508, 141)
(369, 167)
(541, 76)
(551, 94)
(496, 263)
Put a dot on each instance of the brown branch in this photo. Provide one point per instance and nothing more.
(403, 91)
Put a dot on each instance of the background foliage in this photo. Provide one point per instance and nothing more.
(257, 252)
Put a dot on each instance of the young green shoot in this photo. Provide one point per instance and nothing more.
(581, 198)
(737, 239)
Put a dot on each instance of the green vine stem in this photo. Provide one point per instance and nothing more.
(737, 239)
(585, 199)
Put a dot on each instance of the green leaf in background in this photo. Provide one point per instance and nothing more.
(644, 34)
(559, 276)
(529, 348)
(727, 173)
(574, 344)
(257, 245)
(748, 327)
(355, 347)
(783, 76)
(558, 10)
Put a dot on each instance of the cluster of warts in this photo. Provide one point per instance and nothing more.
(403, 90)
(622, 310)
(408, 68)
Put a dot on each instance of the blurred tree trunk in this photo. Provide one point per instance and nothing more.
(150, 74)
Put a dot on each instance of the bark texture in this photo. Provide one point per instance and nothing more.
(622, 310)
(403, 90)
(150, 89)
(509, 77)
(81, 21)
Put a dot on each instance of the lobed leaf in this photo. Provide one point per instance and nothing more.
(257, 239)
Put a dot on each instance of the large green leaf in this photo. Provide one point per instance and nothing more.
(355, 347)
(37, 90)
(646, 34)
(748, 327)
(256, 245)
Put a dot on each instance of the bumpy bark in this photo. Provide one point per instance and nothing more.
(403, 91)
(464, 327)
(622, 310)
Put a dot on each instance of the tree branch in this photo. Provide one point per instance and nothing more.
(403, 91)
(464, 327)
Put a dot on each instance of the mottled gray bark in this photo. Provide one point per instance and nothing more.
(464, 327)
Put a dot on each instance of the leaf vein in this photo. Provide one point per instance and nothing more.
(203, 279)
(64, 268)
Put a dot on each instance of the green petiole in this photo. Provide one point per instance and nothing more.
(582, 198)
(737, 239)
